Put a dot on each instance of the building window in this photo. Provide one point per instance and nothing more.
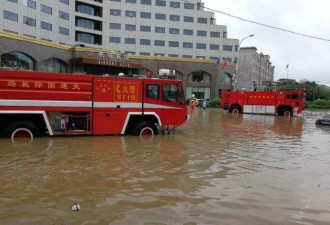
(159, 16)
(236, 48)
(129, 52)
(188, 19)
(115, 26)
(187, 56)
(46, 9)
(115, 0)
(197, 77)
(159, 54)
(10, 16)
(130, 27)
(130, 13)
(173, 44)
(115, 12)
(145, 15)
(175, 4)
(188, 32)
(17, 60)
(64, 15)
(213, 58)
(53, 65)
(29, 21)
(160, 3)
(159, 43)
(145, 28)
(188, 6)
(144, 53)
(30, 4)
(174, 18)
(114, 39)
(85, 9)
(201, 20)
(187, 44)
(201, 33)
(130, 41)
(144, 42)
(85, 24)
(173, 55)
(63, 31)
(215, 34)
(200, 46)
(131, 1)
(85, 38)
(214, 47)
(228, 48)
(224, 35)
(65, 2)
(174, 31)
(145, 2)
(159, 29)
(14, 1)
(46, 26)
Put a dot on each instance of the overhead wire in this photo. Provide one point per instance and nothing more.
(258, 23)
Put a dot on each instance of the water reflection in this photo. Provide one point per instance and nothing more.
(217, 169)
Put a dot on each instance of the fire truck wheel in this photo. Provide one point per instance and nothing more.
(286, 113)
(145, 128)
(235, 109)
(21, 129)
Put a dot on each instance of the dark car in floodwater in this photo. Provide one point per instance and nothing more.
(324, 120)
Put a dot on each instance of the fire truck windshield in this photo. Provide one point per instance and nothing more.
(173, 94)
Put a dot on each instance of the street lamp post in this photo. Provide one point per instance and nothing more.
(236, 66)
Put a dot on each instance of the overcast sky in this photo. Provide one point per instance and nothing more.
(307, 58)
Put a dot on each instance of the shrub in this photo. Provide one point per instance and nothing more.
(214, 103)
(318, 104)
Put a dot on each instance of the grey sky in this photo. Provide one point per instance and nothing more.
(307, 58)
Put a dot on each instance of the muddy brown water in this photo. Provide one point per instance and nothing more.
(217, 169)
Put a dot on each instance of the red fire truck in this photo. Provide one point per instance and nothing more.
(282, 102)
(34, 104)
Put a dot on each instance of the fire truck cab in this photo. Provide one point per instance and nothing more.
(34, 104)
(282, 102)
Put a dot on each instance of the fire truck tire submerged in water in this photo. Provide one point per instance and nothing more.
(235, 109)
(286, 111)
(145, 128)
(21, 129)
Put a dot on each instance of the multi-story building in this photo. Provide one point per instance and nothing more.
(254, 69)
(148, 31)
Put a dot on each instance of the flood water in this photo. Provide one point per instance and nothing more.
(217, 169)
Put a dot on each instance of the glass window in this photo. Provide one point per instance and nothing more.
(114, 39)
(115, 0)
(131, 1)
(173, 44)
(17, 60)
(145, 15)
(173, 55)
(200, 57)
(215, 34)
(115, 12)
(53, 65)
(236, 48)
(188, 32)
(64, 15)
(187, 44)
(115, 26)
(175, 4)
(174, 31)
(201, 33)
(174, 18)
(159, 54)
(64, 31)
(159, 29)
(85, 23)
(130, 13)
(224, 34)
(129, 52)
(14, 1)
(159, 16)
(188, 5)
(29, 21)
(197, 77)
(145, 28)
(228, 48)
(214, 47)
(130, 27)
(160, 3)
(144, 42)
(213, 57)
(46, 26)
(130, 41)
(10, 16)
(30, 4)
(145, 2)
(201, 46)
(144, 53)
(188, 19)
(159, 43)
(152, 91)
(46, 9)
(65, 1)
(187, 56)
(201, 20)
(173, 94)
(85, 9)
